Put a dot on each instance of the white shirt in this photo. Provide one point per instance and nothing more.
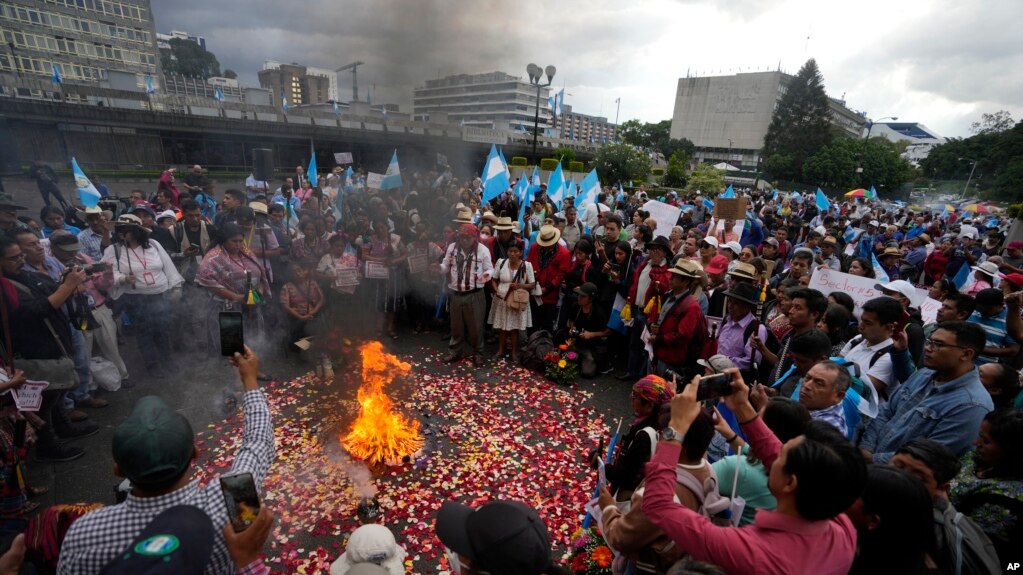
(882, 370)
(477, 268)
(591, 214)
(253, 184)
(154, 271)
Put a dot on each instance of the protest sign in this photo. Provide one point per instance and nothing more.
(29, 397)
(374, 180)
(666, 216)
(343, 157)
(929, 310)
(730, 208)
(442, 160)
(860, 289)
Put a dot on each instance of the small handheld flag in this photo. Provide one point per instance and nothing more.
(337, 109)
(495, 176)
(86, 191)
(822, 201)
(882, 276)
(556, 186)
(729, 193)
(150, 88)
(311, 171)
(392, 177)
(56, 76)
(218, 94)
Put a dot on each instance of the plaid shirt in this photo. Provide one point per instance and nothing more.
(835, 415)
(98, 537)
(92, 244)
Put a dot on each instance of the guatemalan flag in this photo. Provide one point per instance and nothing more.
(881, 275)
(590, 189)
(729, 193)
(311, 171)
(150, 88)
(822, 202)
(556, 186)
(392, 177)
(284, 101)
(86, 191)
(495, 176)
(615, 321)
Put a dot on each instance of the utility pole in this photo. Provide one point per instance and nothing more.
(618, 107)
(354, 67)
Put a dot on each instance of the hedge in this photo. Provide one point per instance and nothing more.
(518, 161)
(549, 164)
(657, 172)
(576, 166)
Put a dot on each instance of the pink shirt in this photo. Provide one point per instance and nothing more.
(773, 544)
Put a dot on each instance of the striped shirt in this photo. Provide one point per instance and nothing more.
(997, 335)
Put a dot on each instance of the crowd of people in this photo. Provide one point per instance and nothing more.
(855, 436)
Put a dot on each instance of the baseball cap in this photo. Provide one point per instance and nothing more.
(898, 286)
(711, 240)
(64, 241)
(735, 246)
(154, 446)
(771, 241)
(178, 540)
(142, 207)
(1015, 279)
(717, 265)
(588, 288)
(170, 214)
(717, 363)
(501, 537)
(873, 223)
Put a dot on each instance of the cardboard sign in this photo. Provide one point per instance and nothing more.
(418, 264)
(730, 208)
(860, 289)
(929, 310)
(374, 180)
(29, 397)
(377, 271)
(344, 277)
(666, 216)
(343, 158)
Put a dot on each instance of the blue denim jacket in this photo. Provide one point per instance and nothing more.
(949, 413)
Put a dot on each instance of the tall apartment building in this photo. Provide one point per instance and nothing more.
(585, 128)
(83, 39)
(300, 84)
(727, 117)
(493, 100)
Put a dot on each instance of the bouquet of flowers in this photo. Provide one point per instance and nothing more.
(588, 554)
(561, 365)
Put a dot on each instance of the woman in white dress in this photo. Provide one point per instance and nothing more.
(511, 274)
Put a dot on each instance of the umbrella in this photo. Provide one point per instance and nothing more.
(976, 208)
(857, 193)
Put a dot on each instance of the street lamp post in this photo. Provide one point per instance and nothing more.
(535, 74)
(870, 124)
(967, 186)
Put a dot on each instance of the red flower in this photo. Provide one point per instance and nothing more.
(580, 562)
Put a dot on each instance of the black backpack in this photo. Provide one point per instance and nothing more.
(538, 345)
(966, 548)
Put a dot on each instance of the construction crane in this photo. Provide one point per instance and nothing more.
(354, 67)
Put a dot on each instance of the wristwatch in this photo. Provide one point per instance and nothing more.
(669, 434)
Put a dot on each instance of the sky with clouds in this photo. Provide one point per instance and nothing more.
(939, 62)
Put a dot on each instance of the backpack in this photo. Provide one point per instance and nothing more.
(537, 347)
(967, 549)
(877, 354)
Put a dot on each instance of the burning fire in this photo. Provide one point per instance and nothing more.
(380, 434)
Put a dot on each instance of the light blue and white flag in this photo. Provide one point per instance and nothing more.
(522, 206)
(872, 193)
(392, 177)
(56, 77)
(86, 191)
(879, 272)
(535, 180)
(522, 188)
(495, 176)
(559, 103)
(708, 204)
(621, 192)
(337, 109)
(615, 320)
(218, 94)
(590, 189)
(729, 193)
(851, 234)
(349, 173)
(284, 101)
(311, 170)
(556, 186)
(150, 87)
(822, 202)
(963, 276)
(775, 196)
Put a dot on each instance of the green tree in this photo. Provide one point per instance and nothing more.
(655, 137)
(565, 156)
(1000, 121)
(801, 123)
(229, 73)
(835, 165)
(621, 163)
(707, 179)
(998, 157)
(675, 175)
(189, 59)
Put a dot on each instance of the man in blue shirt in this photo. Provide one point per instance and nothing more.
(991, 315)
(865, 247)
(944, 402)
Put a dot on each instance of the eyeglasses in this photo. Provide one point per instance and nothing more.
(937, 344)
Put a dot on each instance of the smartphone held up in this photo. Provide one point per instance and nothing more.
(231, 339)
(241, 499)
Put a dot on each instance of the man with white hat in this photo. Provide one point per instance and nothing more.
(905, 294)
(551, 261)
(97, 236)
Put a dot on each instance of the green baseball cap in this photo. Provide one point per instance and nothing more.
(154, 445)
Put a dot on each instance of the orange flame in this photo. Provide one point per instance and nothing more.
(380, 434)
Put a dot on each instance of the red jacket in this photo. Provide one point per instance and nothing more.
(660, 281)
(550, 277)
(684, 322)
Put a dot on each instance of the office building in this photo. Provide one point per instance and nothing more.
(584, 128)
(82, 39)
(300, 84)
(494, 100)
(163, 40)
(189, 86)
(727, 117)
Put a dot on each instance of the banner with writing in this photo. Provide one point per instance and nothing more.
(860, 289)
(665, 215)
(343, 157)
(374, 180)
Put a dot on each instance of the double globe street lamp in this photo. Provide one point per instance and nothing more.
(535, 75)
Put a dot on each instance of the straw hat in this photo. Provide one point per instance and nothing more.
(489, 216)
(464, 216)
(259, 208)
(687, 268)
(130, 220)
(745, 271)
(891, 252)
(549, 235)
(504, 223)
